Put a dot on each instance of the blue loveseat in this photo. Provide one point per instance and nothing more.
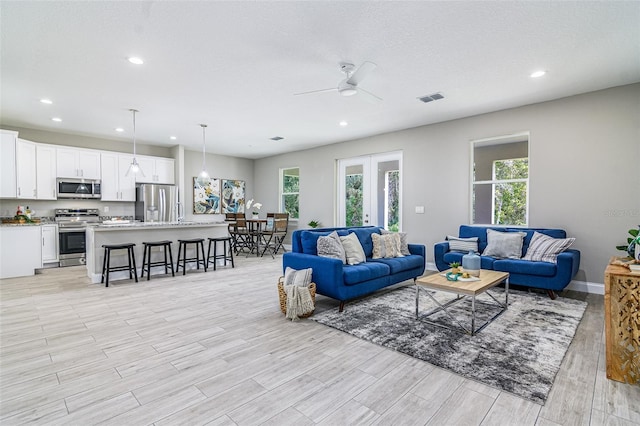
(346, 282)
(544, 275)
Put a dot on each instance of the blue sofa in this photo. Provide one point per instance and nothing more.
(544, 275)
(346, 282)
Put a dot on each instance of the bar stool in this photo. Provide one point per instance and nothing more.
(182, 254)
(106, 262)
(146, 258)
(225, 255)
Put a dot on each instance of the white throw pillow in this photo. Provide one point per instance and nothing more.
(353, 249)
(504, 245)
(463, 244)
(385, 246)
(301, 277)
(331, 246)
(544, 248)
(404, 245)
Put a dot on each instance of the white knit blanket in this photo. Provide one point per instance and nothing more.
(299, 301)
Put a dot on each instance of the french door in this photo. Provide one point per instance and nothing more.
(369, 191)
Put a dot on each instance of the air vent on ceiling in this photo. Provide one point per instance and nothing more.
(433, 97)
(277, 138)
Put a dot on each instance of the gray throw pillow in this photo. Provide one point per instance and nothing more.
(299, 277)
(504, 245)
(544, 248)
(385, 246)
(353, 249)
(463, 244)
(331, 246)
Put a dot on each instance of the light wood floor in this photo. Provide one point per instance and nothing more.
(213, 348)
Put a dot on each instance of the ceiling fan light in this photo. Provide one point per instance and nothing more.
(348, 91)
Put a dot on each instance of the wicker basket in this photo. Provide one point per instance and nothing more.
(283, 296)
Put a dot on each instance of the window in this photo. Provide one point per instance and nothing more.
(500, 181)
(290, 192)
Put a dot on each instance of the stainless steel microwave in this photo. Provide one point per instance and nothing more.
(78, 188)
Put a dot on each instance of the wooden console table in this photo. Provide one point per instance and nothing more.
(622, 324)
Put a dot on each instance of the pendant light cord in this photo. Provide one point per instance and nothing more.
(134, 132)
(204, 153)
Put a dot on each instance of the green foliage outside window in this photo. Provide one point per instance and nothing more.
(510, 198)
(354, 192)
(290, 194)
(393, 194)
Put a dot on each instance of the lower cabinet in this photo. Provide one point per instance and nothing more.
(49, 243)
(20, 251)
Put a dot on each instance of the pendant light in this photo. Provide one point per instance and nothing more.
(204, 176)
(134, 167)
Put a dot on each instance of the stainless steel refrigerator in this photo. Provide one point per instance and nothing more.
(156, 203)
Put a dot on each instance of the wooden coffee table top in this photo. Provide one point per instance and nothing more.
(488, 279)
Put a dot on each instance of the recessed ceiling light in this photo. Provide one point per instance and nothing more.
(344, 123)
(46, 101)
(135, 60)
(277, 138)
(538, 74)
(119, 129)
(173, 138)
(56, 119)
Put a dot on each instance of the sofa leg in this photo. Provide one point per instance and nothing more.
(341, 306)
(552, 294)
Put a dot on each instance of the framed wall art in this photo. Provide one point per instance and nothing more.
(206, 196)
(233, 196)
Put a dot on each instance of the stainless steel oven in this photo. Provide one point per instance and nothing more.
(72, 226)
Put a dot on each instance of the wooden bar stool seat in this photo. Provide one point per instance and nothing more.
(106, 262)
(182, 254)
(146, 258)
(227, 254)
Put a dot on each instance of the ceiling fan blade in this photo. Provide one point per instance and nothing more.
(369, 95)
(316, 91)
(361, 73)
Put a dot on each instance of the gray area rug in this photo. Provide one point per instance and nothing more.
(520, 352)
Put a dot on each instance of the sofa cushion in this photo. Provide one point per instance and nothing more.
(309, 240)
(525, 267)
(364, 235)
(543, 248)
(355, 274)
(385, 246)
(504, 245)
(331, 246)
(353, 249)
(399, 264)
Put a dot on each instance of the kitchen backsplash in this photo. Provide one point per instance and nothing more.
(46, 208)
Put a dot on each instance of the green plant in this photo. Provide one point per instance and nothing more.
(631, 242)
(314, 224)
(454, 265)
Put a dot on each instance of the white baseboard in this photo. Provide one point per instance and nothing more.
(586, 287)
(582, 286)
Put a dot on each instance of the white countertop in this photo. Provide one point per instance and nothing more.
(154, 225)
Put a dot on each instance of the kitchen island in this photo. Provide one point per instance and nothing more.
(139, 232)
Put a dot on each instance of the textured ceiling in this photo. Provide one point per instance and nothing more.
(236, 65)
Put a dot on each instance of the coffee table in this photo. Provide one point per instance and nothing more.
(466, 288)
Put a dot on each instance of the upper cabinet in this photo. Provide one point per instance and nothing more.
(115, 184)
(78, 163)
(26, 169)
(8, 164)
(46, 175)
(156, 170)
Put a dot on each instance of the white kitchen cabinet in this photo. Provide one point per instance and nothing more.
(78, 163)
(8, 163)
(46, 174)
(20, 250)
(156, 170)
(115, 185)
(26, 169)
(49, 243)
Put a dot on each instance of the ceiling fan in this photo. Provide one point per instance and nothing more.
(349, 85)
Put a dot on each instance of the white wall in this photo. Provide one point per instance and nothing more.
(584, 153)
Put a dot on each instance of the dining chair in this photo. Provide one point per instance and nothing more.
(273, 236)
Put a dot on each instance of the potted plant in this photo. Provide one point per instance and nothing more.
(314, 224)
(455, 267)
(256, 207)
(632, 241)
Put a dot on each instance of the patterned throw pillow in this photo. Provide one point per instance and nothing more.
(385, 246)
(544, 248)
(331, 246)
(301, 278)
(353, 249)
(504, 245)
(404, 245)
(463, 244)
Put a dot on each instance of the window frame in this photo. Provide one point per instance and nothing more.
(514, 138)
(282, 194)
